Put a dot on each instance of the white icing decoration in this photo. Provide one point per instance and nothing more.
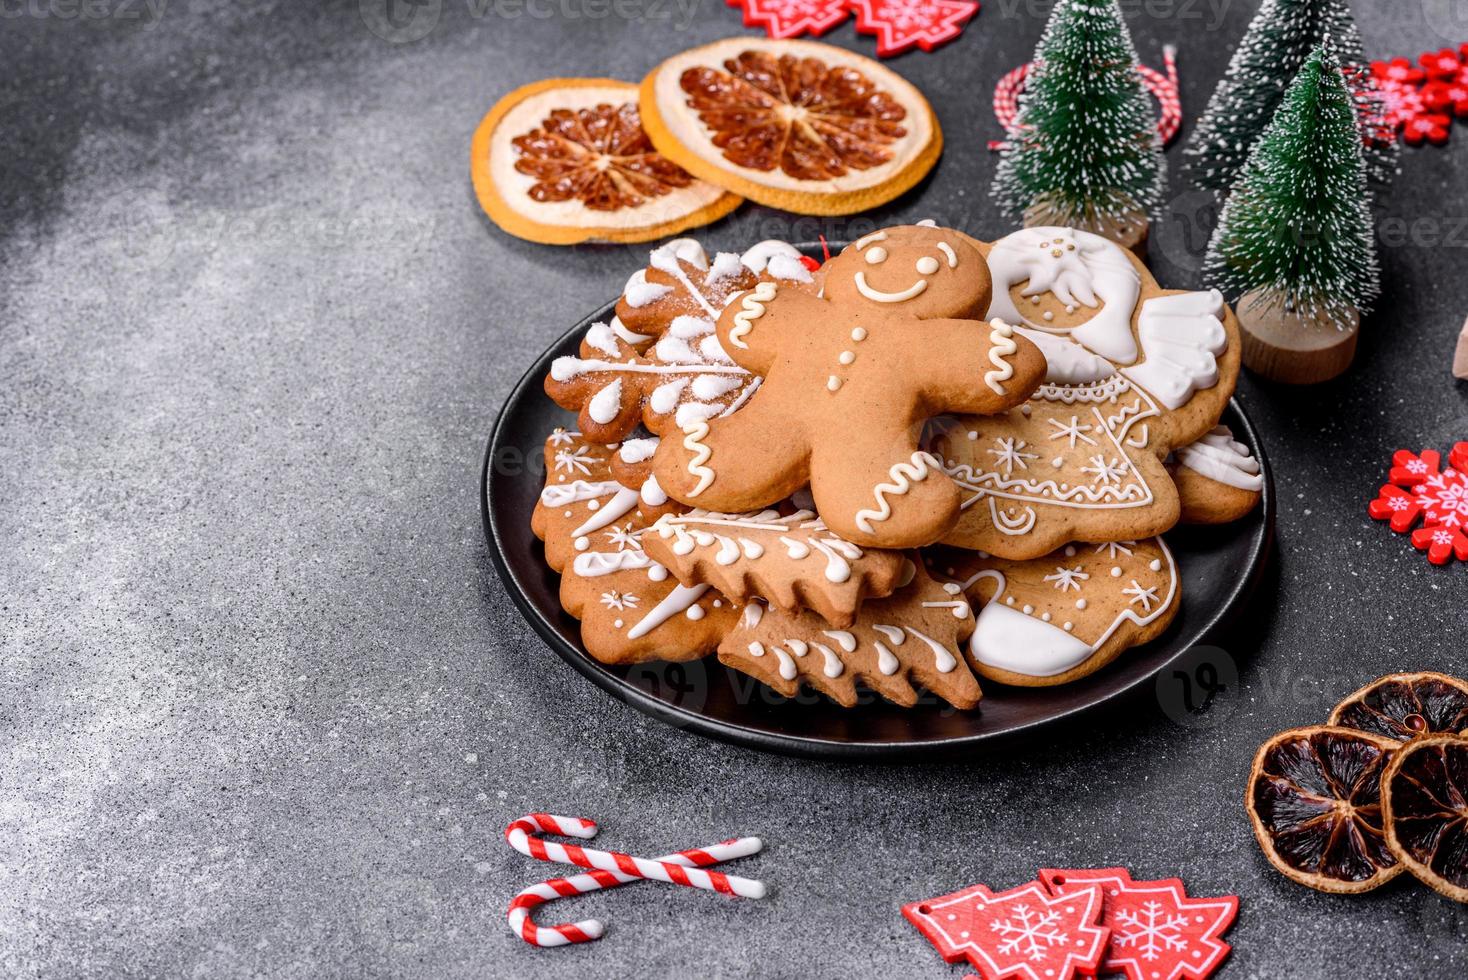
(666, 258)
(903, 476)
(632, 337)
(876, 256)
(636, 451)
(701, 454)
(676, 601)
(878, 296)
(1001, 337)
(927, 265)
(958, 607)
(697, 529)
(726, 265)
(1182, 337)
(876, 236)
(843, 638)
(751, 307)
(753, 613)
(607, 402)
(947, 250)
(1095, 270)
(1219, 457)
(943, 660)
(707, 387)
(594, 564)
(833, 667)
(639, 292)
(600, 337)
(894, 634)
(887, 661)
(577, 491)
(620, 504)
(780, 259)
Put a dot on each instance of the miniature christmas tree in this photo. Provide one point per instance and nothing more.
(1295, 237)
(1279, 39)
(1084, 151)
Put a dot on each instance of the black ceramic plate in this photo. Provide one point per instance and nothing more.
(1219, 568)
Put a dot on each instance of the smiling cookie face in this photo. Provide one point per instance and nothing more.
(914, 271)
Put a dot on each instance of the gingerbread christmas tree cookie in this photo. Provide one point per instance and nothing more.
(850, 378)
(792, 561)
(1058, 618)
(913, 636)
(1133, 372)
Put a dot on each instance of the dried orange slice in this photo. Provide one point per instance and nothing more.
(1314, 799)
(1406, 706)
(566, 160)
(1425, 796)
(792, 124)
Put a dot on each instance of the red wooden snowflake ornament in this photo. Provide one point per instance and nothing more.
(903, 24)
(1157, 931)
(792, 18)
(1023, 933)
(1433, 507)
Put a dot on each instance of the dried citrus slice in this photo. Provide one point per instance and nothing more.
(566, 160)
(1406, 706)
(1425, 796)
(792, 124)
(1314, 798)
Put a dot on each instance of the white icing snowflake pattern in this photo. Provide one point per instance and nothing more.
(1068, 578)
(1029, 932)
(619, 600)
(1114, 548)
(1072, 430)
(1150, 932)
(578, 460)
(561, 437)
(1106, 472)
(1010, 455)
(625, 538)
(1139, 593)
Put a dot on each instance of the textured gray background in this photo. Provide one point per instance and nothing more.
(265, 709)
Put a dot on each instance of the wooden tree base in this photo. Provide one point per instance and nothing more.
(1283, 346)
(1129, 231)
(1460, 357)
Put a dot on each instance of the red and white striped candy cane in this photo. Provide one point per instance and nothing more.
(1163, 85)
(588, 929)
(612, 868)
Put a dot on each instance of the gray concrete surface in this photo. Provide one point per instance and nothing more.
(265, 709)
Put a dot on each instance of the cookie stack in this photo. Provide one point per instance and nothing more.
(929, 458)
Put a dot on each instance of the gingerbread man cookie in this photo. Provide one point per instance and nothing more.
(1133, 372)
(1060, 617)
(850, 378)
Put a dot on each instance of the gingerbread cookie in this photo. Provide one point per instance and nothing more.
(793, 562)
(659, 361)
(631, 609)
(631, 466)
(914, 635)
(1133, 372)
(1218, 479)
(850, 378)
(1055, 619)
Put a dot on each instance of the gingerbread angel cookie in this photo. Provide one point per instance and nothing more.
(631, 609)
(1060, 617)
(1134, 371)
(667, 367)
(850, 378)
(1218, 479)
(792, 561)
(914, 635)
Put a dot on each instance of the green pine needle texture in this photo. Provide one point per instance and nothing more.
(1085, 144)
(1297, 226)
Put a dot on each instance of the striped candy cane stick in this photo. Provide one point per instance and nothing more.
(588, 929)
(520, 835)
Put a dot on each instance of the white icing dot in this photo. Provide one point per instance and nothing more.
(859, 334)
(1028, 609)
(1035, 300)
(593, 504)
(1156, 565)
(1080, 603)
(973, 436)
(1024, 410)
(1047, 315)
(927, 265)
(582, 543)
(617, 624)
(1068, 626)
(657, 573)
(1044, 617)
(718, 603)
(568, 513)
(695, 612)
(1058, 462)
(846, 357)
(1070, 307)
(1009, 600)
(832, 383)
(1070, 551)
(875, 255)
(1116, 571)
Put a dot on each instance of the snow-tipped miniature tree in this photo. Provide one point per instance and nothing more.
(1084, 149)
(1296, 232)
(1279, 40)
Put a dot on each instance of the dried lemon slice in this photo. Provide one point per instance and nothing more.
(566, 160)
(796, 125)
(1425, 795)
(1406, 706)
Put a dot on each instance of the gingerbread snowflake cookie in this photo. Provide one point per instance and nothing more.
(659, 361)
(850, 378)
(1057, 618)
(792, 561)
(1218, 479)
(913, 636)
(1133, 372)
(630, 607)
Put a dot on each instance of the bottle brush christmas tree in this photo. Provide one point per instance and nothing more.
(1295, 236)
(1084, 151)
(1279, 40)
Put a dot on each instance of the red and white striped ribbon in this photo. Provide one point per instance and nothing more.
(1163, 85)
(611, 869)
